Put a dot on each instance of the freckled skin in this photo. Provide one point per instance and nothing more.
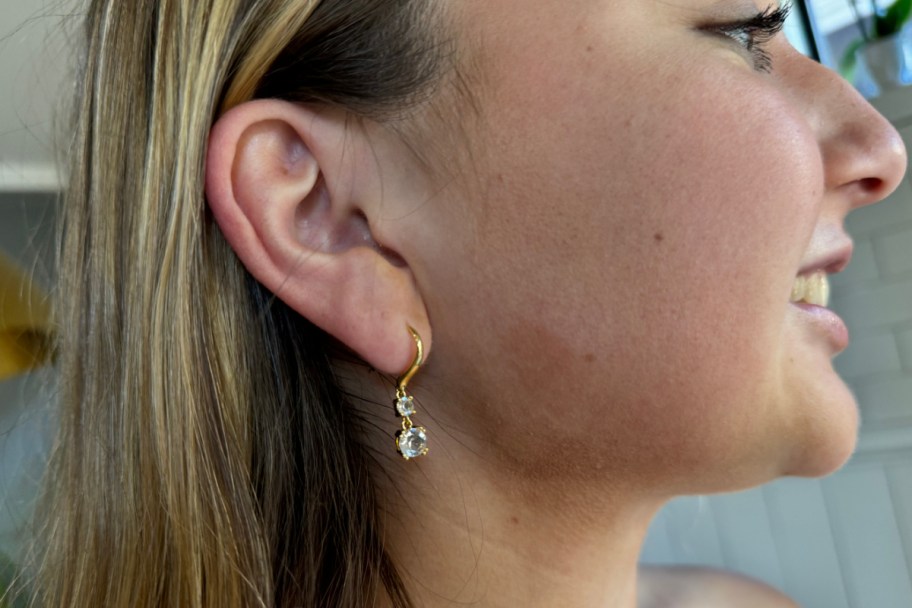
(614, 119)
(607, 268)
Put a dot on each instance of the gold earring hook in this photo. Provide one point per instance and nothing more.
(411, 441)
(413, 368)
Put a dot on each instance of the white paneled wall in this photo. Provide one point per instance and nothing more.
(844, 541)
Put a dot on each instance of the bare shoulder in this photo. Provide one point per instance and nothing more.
(700, 587)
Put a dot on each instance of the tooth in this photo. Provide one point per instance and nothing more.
(798, 289)
(813, 289)
(824, 290)
(817, 289)
(813, 292)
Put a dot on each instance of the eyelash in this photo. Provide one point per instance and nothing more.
(754, 33)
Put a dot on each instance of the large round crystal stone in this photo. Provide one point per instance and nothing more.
(405, 406)
(413, 442)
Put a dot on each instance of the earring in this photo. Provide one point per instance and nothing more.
(411, 441)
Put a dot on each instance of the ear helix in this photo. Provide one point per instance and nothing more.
(411, 441)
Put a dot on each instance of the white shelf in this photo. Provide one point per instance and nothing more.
(885, 441)
(25, 178)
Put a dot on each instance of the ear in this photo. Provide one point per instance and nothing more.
(293, 191)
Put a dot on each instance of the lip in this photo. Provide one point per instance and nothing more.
(826, 322)
(831, 263)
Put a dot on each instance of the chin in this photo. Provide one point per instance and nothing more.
(830, 436)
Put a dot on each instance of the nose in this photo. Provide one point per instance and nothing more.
(864, 157)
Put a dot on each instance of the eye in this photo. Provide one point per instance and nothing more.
(742, 37)
(753, 45)
(755, 33)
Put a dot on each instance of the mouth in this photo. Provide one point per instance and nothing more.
(811, 296)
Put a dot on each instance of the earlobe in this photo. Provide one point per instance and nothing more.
(292, 196)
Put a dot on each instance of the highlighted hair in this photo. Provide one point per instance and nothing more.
(206, 457)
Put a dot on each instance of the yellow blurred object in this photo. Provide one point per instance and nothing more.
(24, 321)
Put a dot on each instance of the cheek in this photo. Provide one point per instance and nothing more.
(635, 255)
(687, 213)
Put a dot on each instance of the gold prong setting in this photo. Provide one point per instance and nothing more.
(405, 405)
(412, 443)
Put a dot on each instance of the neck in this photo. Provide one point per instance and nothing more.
(463, 530)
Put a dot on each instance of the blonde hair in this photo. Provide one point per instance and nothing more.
(205, 455)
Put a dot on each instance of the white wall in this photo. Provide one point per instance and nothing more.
(33, 65)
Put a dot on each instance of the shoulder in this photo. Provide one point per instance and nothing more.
(697, 586)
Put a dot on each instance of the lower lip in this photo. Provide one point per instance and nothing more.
(828, 322)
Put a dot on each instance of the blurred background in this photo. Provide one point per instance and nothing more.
(840, 542)
(33, 75)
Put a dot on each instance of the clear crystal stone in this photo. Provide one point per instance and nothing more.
(413, 442)
(405, 406)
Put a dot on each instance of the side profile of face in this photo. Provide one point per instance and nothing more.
(608, 272)
(596, 224)
(602, 257)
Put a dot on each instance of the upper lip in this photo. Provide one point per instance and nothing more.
(832, 262)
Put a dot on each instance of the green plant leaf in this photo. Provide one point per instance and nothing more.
(848, 65)
(893, 19)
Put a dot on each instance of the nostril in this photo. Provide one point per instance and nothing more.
(870, 190)
(872, 184)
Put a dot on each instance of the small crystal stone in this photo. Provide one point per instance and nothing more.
(405, 406)
(413, 442)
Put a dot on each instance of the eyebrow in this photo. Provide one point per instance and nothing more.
(737, 8)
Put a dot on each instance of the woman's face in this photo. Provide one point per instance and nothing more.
(608, 273)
